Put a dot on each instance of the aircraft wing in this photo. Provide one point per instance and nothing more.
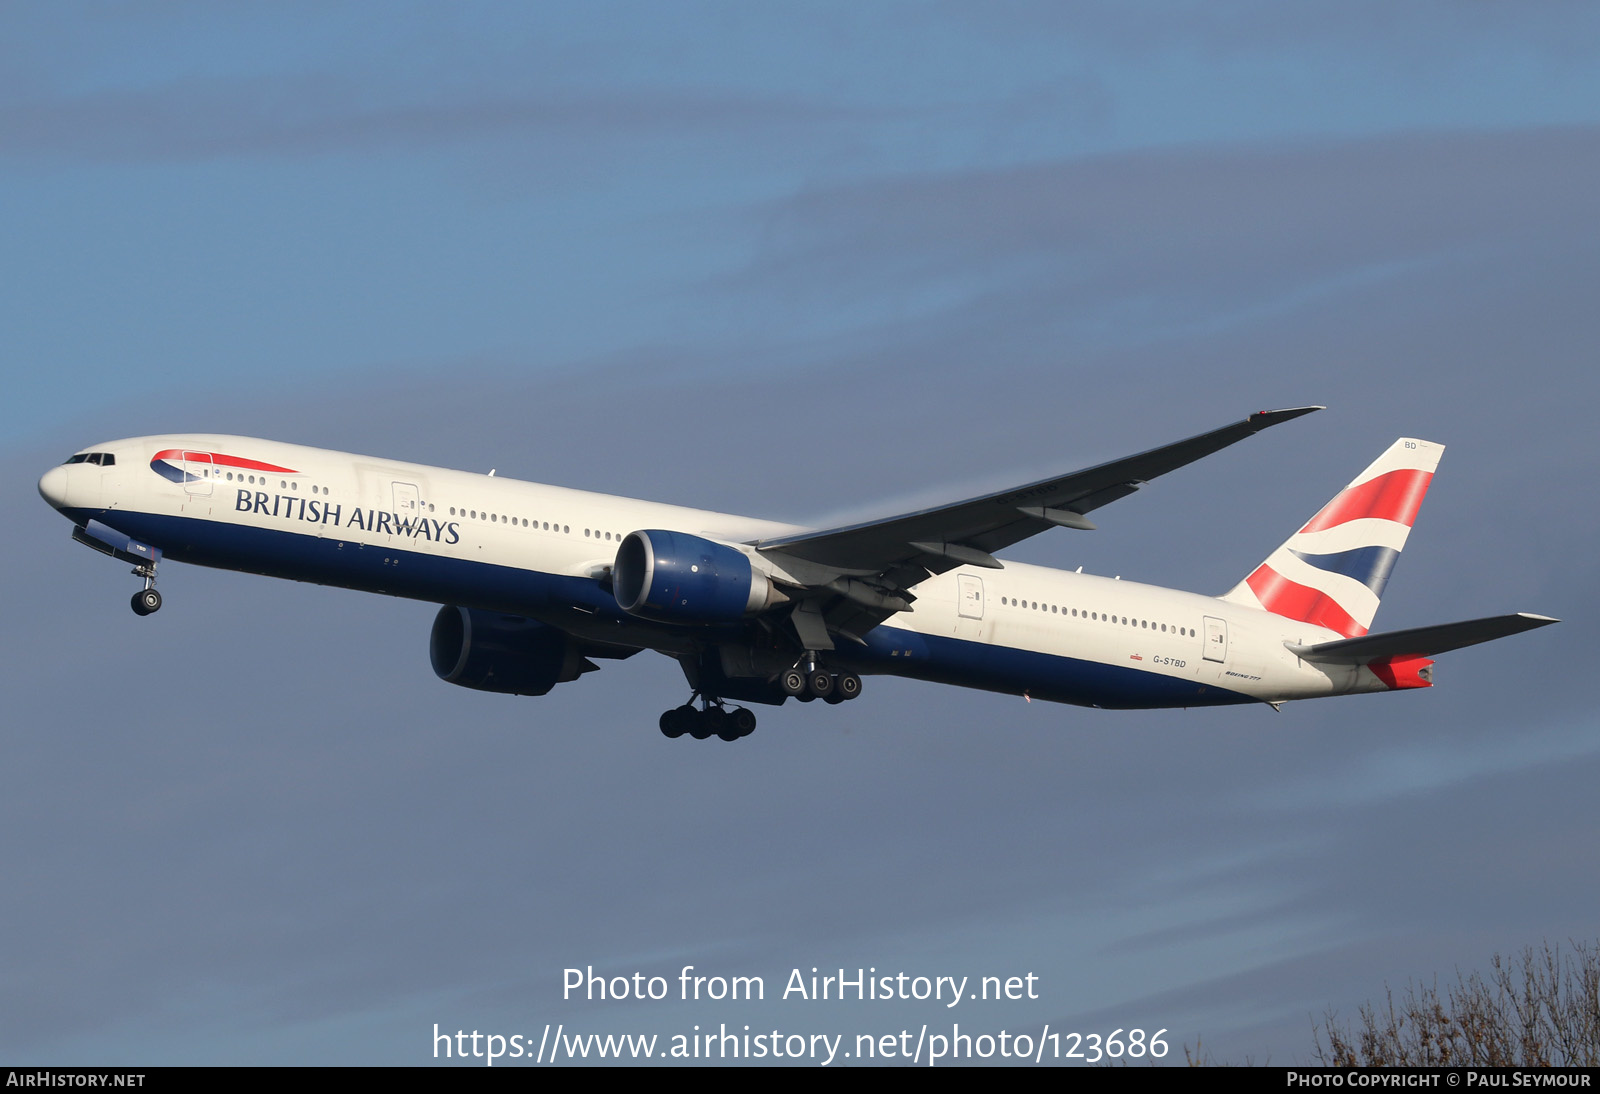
(967, 533)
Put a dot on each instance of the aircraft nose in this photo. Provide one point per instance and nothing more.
(53, 487)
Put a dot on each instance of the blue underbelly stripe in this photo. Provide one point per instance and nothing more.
(441, 579)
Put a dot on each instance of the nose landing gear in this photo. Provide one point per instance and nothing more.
(146, 601)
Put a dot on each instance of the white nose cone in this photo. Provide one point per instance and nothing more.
(53, 487)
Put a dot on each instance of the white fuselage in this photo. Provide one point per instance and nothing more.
(455, 537)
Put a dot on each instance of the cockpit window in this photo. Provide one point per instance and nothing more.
(107, 459)
(81, 457)
(104, 459)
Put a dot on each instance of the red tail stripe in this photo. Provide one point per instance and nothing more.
(1280, 596)
(1394, 495)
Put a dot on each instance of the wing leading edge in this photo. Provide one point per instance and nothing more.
(859, 575)
(967, 533)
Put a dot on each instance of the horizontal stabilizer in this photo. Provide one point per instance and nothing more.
(1420, 641)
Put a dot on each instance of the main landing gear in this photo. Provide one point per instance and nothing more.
(712, 720)
(817, 684)
(146, 600)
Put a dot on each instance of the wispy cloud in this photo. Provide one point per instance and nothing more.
(1133, 219)
(321, 114)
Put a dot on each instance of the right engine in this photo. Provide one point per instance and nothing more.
(510, 654)
(673, 577)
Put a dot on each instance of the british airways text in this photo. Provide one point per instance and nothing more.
(316, 511)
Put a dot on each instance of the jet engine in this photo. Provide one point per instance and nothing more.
(510, 654)
(673, 577)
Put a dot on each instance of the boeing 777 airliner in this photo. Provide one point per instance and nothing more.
(537, 582)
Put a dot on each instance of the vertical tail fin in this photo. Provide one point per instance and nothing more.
(1331, 573)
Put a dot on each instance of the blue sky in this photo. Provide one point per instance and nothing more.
(791, 263)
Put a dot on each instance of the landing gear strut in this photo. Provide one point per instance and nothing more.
(146, 600)
(712, 719)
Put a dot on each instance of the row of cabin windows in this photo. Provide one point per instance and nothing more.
(1056, 609)
(531, 525)
(473, 514)
(106, 459)
(220, 475)
(284, 484)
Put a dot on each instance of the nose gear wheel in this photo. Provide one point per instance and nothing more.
(146, 601)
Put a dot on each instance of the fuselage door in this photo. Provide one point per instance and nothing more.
(969, 607)
(1216, 639)
(407, 500)
(197, 468)
(970, 591)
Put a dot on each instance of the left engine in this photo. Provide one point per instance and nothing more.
(673, 577)
(510, 654)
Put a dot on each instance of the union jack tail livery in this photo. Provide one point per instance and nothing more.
(1331, 573)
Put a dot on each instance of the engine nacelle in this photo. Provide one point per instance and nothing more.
(673, 577)
(510, 654)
